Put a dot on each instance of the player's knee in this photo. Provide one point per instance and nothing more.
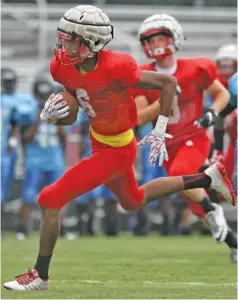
(134, 203)
(49, 199)
(130, 206)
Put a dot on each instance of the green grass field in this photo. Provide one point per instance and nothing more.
(127, 268)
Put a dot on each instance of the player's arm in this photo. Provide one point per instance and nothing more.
(208, 80)
(30, 131)
(167, 84)
(232, 105)
(56, 109)
(146, 112)
(156, 139)
(14, 132)
(150, 80)
(220, 95)
(227, 110)
(13, 137)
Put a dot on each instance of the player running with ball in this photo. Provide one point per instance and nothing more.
(101, 80)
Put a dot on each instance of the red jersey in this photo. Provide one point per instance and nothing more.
(104, 92)
(194, 75)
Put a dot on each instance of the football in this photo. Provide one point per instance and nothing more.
(73, 104)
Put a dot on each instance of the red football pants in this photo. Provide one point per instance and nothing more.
(231, 129)
(187, 160)
(108, 165)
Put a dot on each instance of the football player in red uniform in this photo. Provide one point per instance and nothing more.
(101, 80)
(161, 36)
(226, 61)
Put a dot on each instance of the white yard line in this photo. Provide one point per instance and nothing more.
(147, 282)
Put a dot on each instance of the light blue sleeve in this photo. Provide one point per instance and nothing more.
(232, 87)
(26, 109)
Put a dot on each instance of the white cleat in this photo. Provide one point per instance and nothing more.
(221, 183)
(29, 281)
(217, 223)
(70, 236)
(20, 236)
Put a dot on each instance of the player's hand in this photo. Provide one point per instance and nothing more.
(157, 147)
(207, 119)
(217, 156)
(55, 109)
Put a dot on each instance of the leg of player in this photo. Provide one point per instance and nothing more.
(7, 172)
(183, 162)
(77, 181)
(218, 180)
(230, 239)
(30, 189)
(214, 177)
(210, 212)
(111, 218)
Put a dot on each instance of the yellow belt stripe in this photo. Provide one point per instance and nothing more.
(119, 140)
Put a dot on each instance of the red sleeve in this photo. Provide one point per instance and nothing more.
(208, 72)
(126, 70)
(54, 68)
(139, 92)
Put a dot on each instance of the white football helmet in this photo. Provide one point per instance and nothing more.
(161, 24)
(226, 61)
(227, 52)
(82, 31)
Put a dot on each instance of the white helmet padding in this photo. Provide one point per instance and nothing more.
(90, 23)
(163, 21)
(227, 52)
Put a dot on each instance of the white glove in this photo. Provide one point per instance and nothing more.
(55, 109)
(157, 147)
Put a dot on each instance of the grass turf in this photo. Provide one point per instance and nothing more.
(126, 268)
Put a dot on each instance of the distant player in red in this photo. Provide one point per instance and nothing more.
(226, 61)
(161, 36)
(101, 80)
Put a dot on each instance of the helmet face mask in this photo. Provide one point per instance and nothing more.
(158, 44)
(71, 49)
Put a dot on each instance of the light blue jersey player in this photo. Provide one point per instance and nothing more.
(14, 111)
(43, 146)
(86, 203)
(232, 88)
